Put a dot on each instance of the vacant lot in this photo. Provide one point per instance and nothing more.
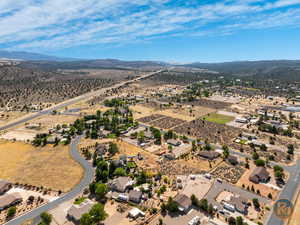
(218, 118)
(49, 167)
(149, 161)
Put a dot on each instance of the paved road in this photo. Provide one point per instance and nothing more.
(289, 192)
(75, 100)
(87, 179)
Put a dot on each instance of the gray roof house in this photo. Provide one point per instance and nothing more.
(135, 196)
(211, 155)
(4, 186)
(184, 202)
(259, 174)
(76, 211)
(173, 142)
(120, 184)
(9, 200)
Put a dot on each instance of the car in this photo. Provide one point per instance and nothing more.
(194, 221)
(219, 180)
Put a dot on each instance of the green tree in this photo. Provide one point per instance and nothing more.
(225, 151)
(256, 203)
(291, 149)
(120, 172)
(239, 220)
(260, 162)
(255, 156)
(113, 148)
(86, 219)
(46, 218)
(98, 213)
(101, 190)
(11, 211)
(172, 206)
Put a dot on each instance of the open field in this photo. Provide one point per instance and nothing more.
(6, 117)
(218, 118)
(51, 167)
(149, 161)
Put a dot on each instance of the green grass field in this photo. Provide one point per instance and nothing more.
(218, 118)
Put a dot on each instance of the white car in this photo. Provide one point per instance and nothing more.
(194, 221)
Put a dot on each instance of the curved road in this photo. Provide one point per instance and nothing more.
(86, 180)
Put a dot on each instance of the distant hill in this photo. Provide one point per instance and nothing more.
(248, 67)
(29, 56)
(91, 64)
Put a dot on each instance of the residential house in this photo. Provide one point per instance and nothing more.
(9, 200)
(233, 160)
(184, 202)
(210, 155)
(121, 184)
(259, 174)
(76, 211)
(173, 142)
(4, 186)
(135, 196)
(135, 213)
(240, 204)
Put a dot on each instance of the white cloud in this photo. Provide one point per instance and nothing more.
(52, 24)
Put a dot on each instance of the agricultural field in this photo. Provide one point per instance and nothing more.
(218, 118)
(210, 104)
(213, 132)
(48, 166)
(166, 122)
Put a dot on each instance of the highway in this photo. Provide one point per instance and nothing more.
(78, 189)
(75, 100)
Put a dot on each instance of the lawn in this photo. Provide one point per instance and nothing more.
(218, 118)
(80, 200)
(50, 167)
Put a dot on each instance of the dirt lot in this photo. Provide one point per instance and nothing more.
(20, 134)
(6, 117)
(263, 188)
(149, 160)
(48, 166)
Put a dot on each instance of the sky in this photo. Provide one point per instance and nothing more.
(161, 30)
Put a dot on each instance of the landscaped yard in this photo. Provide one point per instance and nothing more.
(218, 118)
(50, 167)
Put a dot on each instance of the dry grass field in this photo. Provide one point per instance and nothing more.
(149, 161)
(51, 167)
(6, 117)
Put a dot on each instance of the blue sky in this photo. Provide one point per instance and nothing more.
(167, 30)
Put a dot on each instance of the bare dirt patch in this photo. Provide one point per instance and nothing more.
(50, 167)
